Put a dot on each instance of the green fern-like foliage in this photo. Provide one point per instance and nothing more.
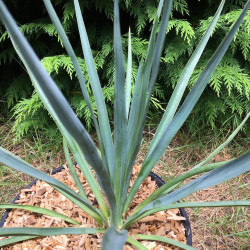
(226, 100)
(224, 103)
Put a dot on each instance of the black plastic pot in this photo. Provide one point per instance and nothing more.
(159, 183)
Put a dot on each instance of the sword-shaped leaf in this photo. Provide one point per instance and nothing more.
(40, 210)
(73, 57)
(15, 239)
(136, 243)
(167, 187)
(159, 43)
(183, 80)
(128, 74)
(186, 205)
(48, 231)
(97, 90)
(120, 120)
(72, 169)
(163, 239)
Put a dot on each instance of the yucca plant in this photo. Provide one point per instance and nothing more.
(113, 162)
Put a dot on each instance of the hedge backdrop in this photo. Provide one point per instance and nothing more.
(223, 104)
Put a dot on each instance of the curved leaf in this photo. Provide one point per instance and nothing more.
(230, 138)
(40, 210)
(15, 239)
(164, 189)
(163, 239)
(132, 220)
(136, 243)
(48, 231)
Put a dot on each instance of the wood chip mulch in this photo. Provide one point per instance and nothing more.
(165, 223)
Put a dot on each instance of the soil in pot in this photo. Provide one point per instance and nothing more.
(165, 223)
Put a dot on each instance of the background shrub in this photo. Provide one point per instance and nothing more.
(224, 102)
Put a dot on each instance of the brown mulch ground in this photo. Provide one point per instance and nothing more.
(165, 223)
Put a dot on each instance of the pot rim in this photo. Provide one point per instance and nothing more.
(188, 232)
